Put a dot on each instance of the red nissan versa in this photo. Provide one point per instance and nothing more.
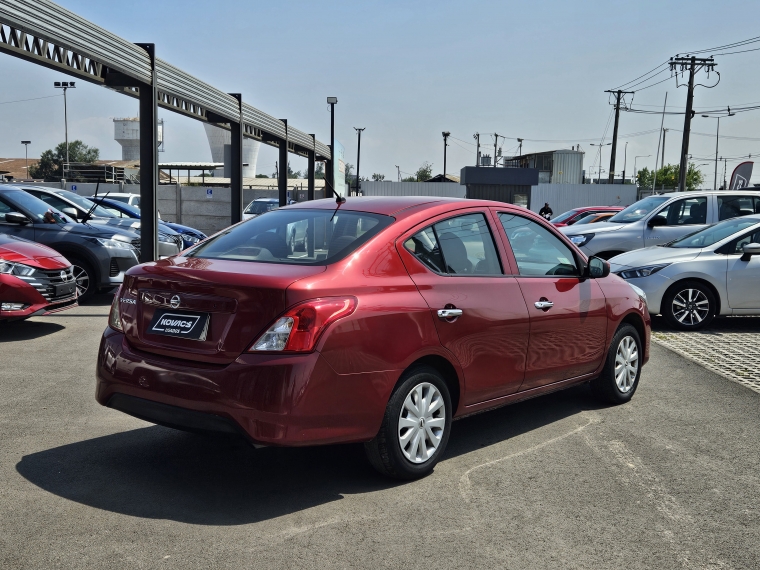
(572, 216)
(34, 280)
(377, 321)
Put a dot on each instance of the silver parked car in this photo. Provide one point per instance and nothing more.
(713, 271)
(660, 219)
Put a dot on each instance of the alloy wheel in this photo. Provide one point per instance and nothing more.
(82, 279)
(421, 423)
(690, 307)
(626, 364)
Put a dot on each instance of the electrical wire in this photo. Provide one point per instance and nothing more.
(33, 99)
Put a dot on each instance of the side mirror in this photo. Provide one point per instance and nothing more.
(657, 221)
(598, 268)
(71, 212)
(16, 218)
(748, 249)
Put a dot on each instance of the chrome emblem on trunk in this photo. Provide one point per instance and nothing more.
(174, 301)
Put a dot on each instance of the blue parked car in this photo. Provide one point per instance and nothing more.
(190, 236)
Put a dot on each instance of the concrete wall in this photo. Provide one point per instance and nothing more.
(564, 197)
(446, 189)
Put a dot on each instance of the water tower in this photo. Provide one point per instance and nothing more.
(219, 138)
(127, 134)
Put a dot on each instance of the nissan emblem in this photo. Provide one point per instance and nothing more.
(174, 301)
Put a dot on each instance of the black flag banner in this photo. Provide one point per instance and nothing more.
(740, 177)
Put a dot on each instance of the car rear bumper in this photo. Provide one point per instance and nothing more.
(288, 400)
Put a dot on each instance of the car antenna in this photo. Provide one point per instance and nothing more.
(338, 198)
(94, 203)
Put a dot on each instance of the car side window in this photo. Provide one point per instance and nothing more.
(56, 203)
(736, 206)
(4, 209)
(536, 250)
(684, 212)
(462, 245)
(735, 247)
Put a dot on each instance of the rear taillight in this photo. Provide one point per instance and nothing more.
(114, 318)
(299, 328)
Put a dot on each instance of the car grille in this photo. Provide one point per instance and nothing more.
(45, 281)
(114, 270)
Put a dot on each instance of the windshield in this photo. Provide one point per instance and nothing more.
(592, 218)
(85, 204)
(40, 211)
(261, 207)
(565, 216)
(635, 212)
(302, 237)
(714, 233)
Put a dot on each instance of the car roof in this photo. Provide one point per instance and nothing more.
(386, 205)
(584, 208)
(710, 193)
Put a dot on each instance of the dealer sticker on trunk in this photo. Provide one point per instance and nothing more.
(180, 324)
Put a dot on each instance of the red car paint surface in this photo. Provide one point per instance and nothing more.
(581, 212)
(16, 290)
(502, 349)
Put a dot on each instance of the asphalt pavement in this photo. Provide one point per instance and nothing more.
(670, 480)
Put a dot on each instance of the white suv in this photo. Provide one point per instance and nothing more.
(660, 219)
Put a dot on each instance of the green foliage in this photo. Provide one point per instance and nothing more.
(409, 179)
(50, 165)
(262, 176)
(667, 177)
(319, 172)
(424, 172)
(378, 177)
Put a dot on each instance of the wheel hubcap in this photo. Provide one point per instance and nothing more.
(421, 422)
(82, 279)
(690, 307)
(626, 364)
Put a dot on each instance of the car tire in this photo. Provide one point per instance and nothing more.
(689, 306)
(410, 443)
(622, 369)
(85, 278)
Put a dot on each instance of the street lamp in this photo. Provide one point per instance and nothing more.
(599, 180)
(634, 163)
(358, 156)
(65, 85)
(717, 132)
(26, 153)
(625, 162)
(332, 101)
(446, 135)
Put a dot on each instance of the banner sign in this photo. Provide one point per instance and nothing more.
(740, 177)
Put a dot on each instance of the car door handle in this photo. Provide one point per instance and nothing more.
(449, 313)
(543, 305)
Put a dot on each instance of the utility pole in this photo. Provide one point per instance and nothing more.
(446, 135)
(625, 160)
(398, 169)
(476, 136)
(618, 95)
(662, 160)
(358, 156)
(519, 152)
(26, 152)
(694, 64)
(495, 149)
(331, 180)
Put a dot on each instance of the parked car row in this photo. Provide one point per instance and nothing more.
(695, 254)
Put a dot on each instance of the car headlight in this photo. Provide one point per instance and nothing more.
(645, 271)
(191, 238)
(114, 243)
(12, 268)
(165, 238)
(640, 292)
(581, 240)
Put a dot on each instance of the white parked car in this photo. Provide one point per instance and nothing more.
(126, 197)
(261, 206)
(660, 219)
(713, 271)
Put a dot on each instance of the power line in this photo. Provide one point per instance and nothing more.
(33, 99)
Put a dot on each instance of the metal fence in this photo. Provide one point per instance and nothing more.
(563, 197)
(444, 189)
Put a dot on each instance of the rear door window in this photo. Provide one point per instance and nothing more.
(736, 206)
(537, 250)
(689, 211)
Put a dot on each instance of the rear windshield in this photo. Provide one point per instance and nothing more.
(294, 237)
(565, 216)
(638, 210)
(261, 207)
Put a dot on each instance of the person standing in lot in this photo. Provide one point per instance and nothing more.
(546, 212)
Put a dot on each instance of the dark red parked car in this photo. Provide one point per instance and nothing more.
(34, 280)
(572, 216)
(387, 319)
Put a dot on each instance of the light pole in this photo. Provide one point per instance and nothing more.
(26, 153)
(634, 163)
(599, 179)
(625, 161)
(398, 170)
(446, 135)
(332, 101)
(65, 85)
(358, 156)
(717, 133)
(519, 152)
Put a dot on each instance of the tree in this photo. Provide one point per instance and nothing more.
(409, 179)
(50, 165)
(667, 177)
(378, 177)
(292, 173)
(424, 172)
(319, 172)
(262, 176)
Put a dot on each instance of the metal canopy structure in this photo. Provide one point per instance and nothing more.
(46, 34)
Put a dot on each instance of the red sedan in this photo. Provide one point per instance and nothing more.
(379, 321)
(34, 280)
(576, 214)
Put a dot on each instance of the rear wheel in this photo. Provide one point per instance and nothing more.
(689, 305)
(622, 369)
(415, 428)
(84, 275)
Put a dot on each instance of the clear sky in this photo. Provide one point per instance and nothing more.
(406, 71)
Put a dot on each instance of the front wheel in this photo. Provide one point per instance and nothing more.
(689, 305)
(84, 275)
(415, 428)
(622, 369)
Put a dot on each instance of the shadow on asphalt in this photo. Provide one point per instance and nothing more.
(159, 473)
(16, 331)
